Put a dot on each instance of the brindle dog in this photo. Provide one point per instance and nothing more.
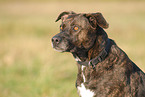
(104, 70)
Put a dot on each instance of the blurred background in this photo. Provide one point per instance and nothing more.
(30, 67)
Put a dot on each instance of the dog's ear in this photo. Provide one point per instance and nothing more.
(97, 19)
(64, 15)
(91, 19)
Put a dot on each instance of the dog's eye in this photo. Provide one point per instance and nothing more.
(62, 26)
(76, 28)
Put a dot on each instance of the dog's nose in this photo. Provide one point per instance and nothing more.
(56, 39)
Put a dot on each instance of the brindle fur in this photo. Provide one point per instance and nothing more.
(117, 75)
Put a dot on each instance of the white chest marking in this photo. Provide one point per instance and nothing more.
(83, 73)
(77, 59)
(85, 92)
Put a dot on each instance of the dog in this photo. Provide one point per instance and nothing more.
(104, 70)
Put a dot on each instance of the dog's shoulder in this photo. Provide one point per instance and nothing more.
(118, 57)
(133, 75)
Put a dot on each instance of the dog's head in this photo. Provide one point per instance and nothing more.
(78, 31)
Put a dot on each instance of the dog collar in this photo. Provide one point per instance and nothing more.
(93, 62)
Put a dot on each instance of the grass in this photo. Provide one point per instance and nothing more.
(29, 67)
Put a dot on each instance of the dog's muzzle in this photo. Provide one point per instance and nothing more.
(56, 40)
(60, 43)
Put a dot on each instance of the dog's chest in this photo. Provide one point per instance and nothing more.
(82, 90)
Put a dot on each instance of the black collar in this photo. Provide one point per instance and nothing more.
(104, 53)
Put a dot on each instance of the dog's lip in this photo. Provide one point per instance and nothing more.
(58, 49)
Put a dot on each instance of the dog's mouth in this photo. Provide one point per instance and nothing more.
(62, 47)
(60, 44)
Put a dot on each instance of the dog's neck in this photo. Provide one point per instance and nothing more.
(100, 43)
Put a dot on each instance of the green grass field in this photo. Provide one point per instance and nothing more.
(29, 67)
